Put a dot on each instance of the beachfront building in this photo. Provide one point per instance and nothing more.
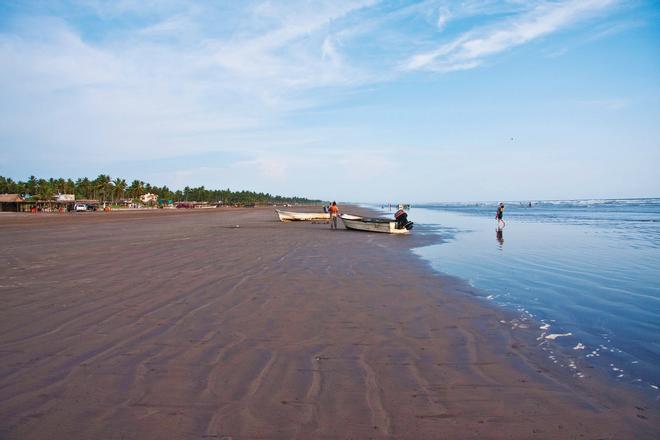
(64, 202)
(11, 202)
(149, 198)
(59, 203)
(125, 203)
(65, 198)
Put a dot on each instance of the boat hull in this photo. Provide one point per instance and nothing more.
(371, 224)
(288, 216)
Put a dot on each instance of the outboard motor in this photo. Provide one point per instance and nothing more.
(401, 218)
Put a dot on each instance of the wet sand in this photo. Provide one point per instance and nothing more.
(180, 325)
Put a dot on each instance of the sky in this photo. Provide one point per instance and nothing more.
(360, 101)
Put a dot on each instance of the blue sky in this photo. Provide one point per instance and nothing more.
(350, 100)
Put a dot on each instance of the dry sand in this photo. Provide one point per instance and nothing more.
(180, 325)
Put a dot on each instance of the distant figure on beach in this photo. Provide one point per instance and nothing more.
(334, 212)
(499, 216)
(325, 208)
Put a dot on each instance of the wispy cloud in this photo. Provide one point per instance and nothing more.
(100, 80)
(472, 48)
(444, 15)
(599, 32)
(174, 84)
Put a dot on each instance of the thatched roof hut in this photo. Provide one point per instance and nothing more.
(10, 202)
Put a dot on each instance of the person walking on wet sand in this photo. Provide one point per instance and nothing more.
(498, 215)
(334, 212)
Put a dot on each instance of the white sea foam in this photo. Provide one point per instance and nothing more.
(554, 336)
(544, 327)
(579, 346)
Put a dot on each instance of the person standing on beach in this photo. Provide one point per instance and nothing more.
(334, 212)
(499, 215)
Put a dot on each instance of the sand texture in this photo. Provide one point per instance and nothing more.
(180, 325)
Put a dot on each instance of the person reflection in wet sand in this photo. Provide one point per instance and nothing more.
(499, 235)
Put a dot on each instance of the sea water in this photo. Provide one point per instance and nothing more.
(585, 272)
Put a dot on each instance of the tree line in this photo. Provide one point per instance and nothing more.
(106, 189)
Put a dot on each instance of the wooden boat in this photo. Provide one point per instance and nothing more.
(288, 216)
(373, 224)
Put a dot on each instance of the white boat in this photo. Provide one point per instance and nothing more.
(288, 216)
(373, 224)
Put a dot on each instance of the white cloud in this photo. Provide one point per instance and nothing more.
(329, 51)
(133, 95)
(168, 27)
(329, 174)
(444, 16)
(179, 79)
(472, 48)
(268, 166)
(182, 81)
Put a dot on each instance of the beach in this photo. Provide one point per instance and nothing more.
(227, 324)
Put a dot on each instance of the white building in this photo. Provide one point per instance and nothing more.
(149, 198)
(65, 198)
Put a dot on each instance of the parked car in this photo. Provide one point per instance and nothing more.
(80, 207)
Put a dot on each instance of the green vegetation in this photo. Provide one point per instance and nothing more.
(106, 189)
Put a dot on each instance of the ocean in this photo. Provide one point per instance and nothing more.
(585, 273)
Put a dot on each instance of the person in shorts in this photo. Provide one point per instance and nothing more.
(334, 213)
(499, 216)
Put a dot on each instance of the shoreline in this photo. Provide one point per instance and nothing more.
(265, 323)
(569, 352)
(530, 331)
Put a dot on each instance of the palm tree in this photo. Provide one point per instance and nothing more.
(120, 187)
(32, 185)
(136, 189)
(7, 185)
(69, 187)
(44, 192)
(83, 188)
(60, 185)
(102, 185)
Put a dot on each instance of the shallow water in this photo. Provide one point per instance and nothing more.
(590, 269)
